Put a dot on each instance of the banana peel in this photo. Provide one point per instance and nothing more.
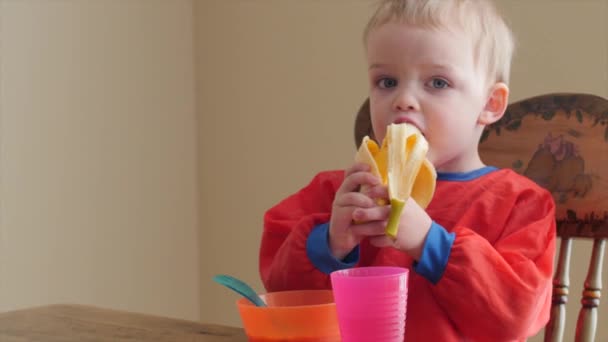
(402, 166)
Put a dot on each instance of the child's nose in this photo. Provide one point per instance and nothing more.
(405, 101)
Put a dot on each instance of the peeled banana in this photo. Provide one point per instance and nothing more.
(402, 165)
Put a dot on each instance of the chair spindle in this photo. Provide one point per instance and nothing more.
(586, 324)
(561, 283)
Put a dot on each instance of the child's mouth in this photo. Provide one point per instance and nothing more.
(409, 121)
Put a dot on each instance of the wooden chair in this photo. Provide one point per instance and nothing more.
(561, 142)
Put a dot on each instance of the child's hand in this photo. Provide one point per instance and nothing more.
(351, 205)
(414, 226)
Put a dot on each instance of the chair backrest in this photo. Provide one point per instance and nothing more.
(561, 142)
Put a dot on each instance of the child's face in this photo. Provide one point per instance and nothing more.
(428, 78)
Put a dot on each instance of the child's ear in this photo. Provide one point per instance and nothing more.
(498, 100)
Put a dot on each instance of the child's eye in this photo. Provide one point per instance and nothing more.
(438, 83)
(386, 82)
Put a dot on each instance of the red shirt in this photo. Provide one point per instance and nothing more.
(496, 284)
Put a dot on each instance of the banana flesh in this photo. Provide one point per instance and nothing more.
(402, 166)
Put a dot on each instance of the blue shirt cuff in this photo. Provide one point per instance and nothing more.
(435, 253)
(319, 254)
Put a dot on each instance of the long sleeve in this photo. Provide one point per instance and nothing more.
(284, 263)
(485, 273)
(499, 288)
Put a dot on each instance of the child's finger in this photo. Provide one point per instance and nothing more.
(377, 191)
(375, 213)
(356, 167)
(355, 180)
(369, 228)
(354, 199)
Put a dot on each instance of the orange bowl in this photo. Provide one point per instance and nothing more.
(291, 316)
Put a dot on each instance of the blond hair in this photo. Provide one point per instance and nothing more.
(492, 38)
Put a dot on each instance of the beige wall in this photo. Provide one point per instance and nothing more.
(279, 82)
(98, 173)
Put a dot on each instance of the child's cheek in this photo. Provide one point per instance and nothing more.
(432, 156)
(379, 129)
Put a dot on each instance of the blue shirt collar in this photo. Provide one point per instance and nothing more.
(465, 176)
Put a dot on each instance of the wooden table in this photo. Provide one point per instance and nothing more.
(70, 323)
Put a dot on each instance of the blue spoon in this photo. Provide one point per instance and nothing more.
(239, 287)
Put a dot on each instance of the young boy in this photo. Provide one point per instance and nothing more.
(481, 255)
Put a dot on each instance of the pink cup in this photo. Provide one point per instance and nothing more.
(371, 303)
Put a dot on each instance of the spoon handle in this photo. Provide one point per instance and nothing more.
(239, 287)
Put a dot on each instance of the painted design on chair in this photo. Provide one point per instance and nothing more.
(558, 167)
(574, 134)
(547, 107)
(591, 219)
